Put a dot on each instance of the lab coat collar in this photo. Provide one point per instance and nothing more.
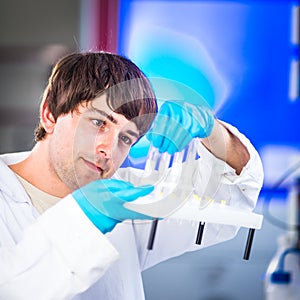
(9, 182)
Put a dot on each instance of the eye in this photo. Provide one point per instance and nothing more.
(98, 122)
(125, 139)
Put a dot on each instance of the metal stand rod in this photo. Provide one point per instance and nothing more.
(152, 234)
(200, 233)
(249, 243)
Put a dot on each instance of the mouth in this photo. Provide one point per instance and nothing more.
(93, 167)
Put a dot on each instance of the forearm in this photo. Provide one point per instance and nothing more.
(226, 146)
(64, 247)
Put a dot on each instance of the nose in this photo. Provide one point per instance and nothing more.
(106, 153)
(105, 144)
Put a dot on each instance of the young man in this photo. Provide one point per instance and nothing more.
(61, 209)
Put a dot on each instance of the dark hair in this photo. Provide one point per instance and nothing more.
(81, 77)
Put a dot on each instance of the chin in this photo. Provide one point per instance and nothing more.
(82, 181)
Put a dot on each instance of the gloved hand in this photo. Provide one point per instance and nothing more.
(102, 201)
(177, 123)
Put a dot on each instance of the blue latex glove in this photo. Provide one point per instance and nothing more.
(177, 123)
(102, 201)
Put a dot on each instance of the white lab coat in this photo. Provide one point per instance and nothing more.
(62, 255)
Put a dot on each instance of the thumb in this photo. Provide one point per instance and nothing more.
(132, 193)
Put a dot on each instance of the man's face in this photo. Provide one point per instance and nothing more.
(90, 144)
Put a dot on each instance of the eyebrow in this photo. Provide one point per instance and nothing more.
(113, 120)
(104, 114)
(133, 133)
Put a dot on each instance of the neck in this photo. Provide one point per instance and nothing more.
(36, 169)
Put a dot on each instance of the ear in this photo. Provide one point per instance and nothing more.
(47, 119)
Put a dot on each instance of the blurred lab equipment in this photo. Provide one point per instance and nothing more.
(282, 280)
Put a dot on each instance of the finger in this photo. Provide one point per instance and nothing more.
(176, 124)
(167, 142)
(162, 135)
(133, 193)
(159, 126)
(117, 211)
(172, 149)
(128, 214)
(203, 122)
(115, 185)
(157, 140)
(181, 139)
